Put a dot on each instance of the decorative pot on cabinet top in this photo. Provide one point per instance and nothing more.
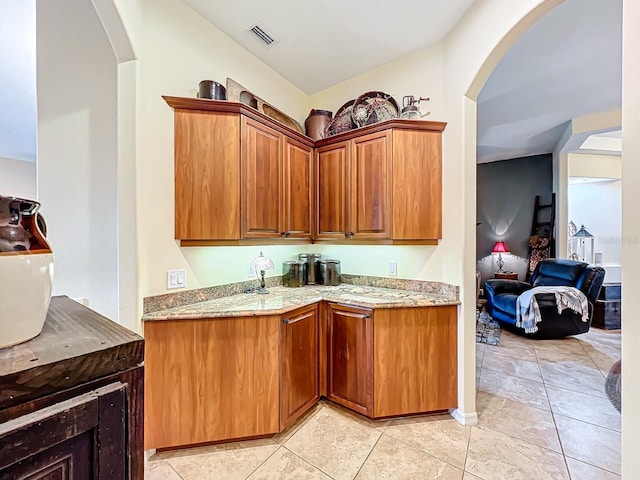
(26, 271)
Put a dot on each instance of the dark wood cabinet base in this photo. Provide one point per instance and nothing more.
(83, 425)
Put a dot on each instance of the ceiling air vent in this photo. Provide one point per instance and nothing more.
(262, 34)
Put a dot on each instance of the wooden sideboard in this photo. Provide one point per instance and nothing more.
(71, 400)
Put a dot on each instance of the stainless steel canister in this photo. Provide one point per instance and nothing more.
(313, 266)
(294, 273)
(330, 272)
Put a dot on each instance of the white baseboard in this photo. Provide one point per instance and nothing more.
(464, 418)
(149, 453)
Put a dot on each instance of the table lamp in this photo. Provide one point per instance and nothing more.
(260, 264)
(499, 248)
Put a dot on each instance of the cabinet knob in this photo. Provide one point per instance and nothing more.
(286, 234)
(351, 233)
(286, 321)
(367, 316)
(346, 234)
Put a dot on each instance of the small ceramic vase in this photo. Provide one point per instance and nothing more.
(26, 272)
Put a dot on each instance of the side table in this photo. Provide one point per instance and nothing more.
(506, 275)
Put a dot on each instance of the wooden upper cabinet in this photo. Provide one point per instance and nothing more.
(370, 212)
(207, 175)
(350, 352)
(417, 185)
(332, 191)
(240, 175)
(297, 184)
(261, 180)
(299, 380)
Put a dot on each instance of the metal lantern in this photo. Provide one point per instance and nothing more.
(583, 245)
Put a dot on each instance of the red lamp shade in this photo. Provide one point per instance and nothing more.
(500, 247)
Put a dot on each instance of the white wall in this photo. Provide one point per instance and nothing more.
(597, 205)
(177, 48)
(594, 166)
(77, 150)
(18, 178)
(419, 74)
(631, 239)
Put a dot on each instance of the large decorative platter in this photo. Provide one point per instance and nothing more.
(342, 120)
(373, 107)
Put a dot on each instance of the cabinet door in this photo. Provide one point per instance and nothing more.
(370, 215)
(298, 190)
(300, 386)
(417, 185)
(224, 380)
(261, 180)
(80, 438)
(415, 360)
(332, 191)
(350, 366)
(207, 176)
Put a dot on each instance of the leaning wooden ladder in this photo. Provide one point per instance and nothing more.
(542, 242)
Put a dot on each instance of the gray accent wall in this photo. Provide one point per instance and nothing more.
(506, 196)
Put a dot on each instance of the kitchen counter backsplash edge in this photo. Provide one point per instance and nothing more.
(187, 297)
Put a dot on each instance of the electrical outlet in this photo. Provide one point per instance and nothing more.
(250, 272)
(176, 279)
(392, 268)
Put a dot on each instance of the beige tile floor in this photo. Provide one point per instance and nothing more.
(543, 414)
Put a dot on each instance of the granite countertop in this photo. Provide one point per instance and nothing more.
(283, 299)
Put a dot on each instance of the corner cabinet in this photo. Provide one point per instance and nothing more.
(392, 361)
(350, 357)
(300, 363)
(354, 191)
(241, 177)
(251, 376)
(276, 198)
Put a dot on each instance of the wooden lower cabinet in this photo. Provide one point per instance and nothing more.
(414, 360)
(350, 356)
(300, 382)
(210, 380)
(220, 379)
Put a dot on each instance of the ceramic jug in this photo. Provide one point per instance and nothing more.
(26, 271)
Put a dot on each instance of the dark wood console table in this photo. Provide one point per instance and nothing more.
(71, 400)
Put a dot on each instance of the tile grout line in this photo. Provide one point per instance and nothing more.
(521, 378)
(466, 452)
(175, 471)
(308, 462)
(514, 376)
(543, 382)
(588, 423)
(264, 461)
(368, 455)
(592, 465)
(425, 452)
(555, 425)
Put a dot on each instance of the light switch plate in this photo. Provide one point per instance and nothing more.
(392, 269)
(176, 279)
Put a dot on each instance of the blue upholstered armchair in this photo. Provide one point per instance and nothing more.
(502, 295)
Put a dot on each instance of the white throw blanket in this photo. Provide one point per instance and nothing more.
(528, 311)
